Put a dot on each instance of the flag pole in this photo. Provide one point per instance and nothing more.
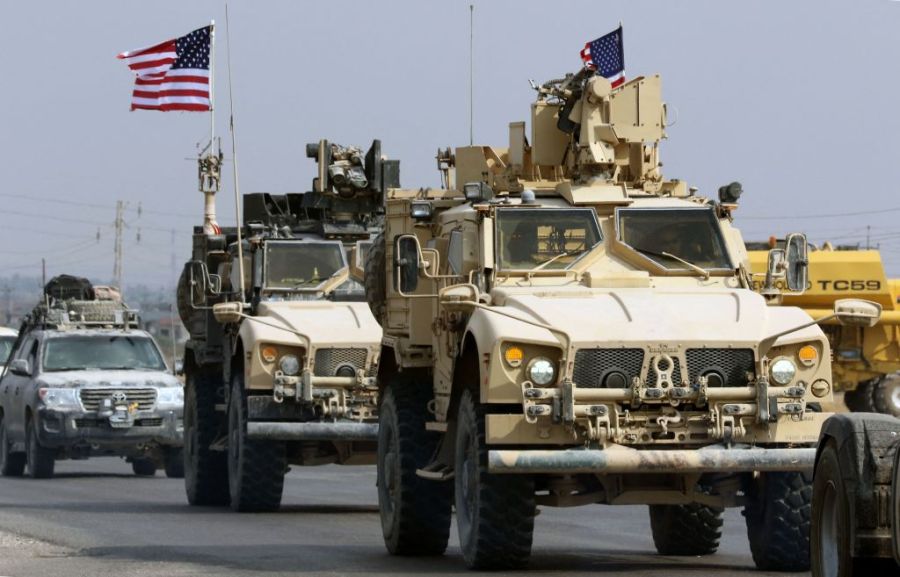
(471, 74)
(234, 159)
(212, 75)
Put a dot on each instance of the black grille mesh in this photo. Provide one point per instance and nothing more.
(591, 365)
(328, 360)
(733, 364)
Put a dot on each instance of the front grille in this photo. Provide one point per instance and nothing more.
(91, 398)
(328, 360)
(90, 423)
(593, 365)
(675, 373)
(151, 422)
(732, 364)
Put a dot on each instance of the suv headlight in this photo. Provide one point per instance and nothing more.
(59, 398)
(289, 365)
(783, 371)
(541, 371)
(170, 396)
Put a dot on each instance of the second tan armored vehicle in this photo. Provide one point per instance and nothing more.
(565, 327)
(280, 366)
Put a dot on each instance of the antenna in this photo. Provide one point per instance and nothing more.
(471, 74)
(237, 194)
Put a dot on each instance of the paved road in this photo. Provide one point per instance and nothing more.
(97, 519)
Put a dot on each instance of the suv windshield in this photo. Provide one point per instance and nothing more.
(6, 344)
(104, 352)
(671, 236)
(544, 238)
(293, 265)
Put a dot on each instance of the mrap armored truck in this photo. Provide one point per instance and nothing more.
(281, 363)
(564, 326)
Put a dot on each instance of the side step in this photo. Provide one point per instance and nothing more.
(313, 431)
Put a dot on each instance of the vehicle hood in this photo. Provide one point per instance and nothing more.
(98, 378)
(621, 316)
(324, 322)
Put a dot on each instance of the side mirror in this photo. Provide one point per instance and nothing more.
(459, 297)
(20, 367)
(228, 312)
(797, 269)
(857, 312)
(774, 270)
(178, 369)
(407, 257)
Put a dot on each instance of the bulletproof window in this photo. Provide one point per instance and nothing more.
(665, 235)
(302, 265)
(455, 250)
(544, 238)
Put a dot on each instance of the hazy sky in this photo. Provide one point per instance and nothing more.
(798, 100)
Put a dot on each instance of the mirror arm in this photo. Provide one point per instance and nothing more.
(766, 343)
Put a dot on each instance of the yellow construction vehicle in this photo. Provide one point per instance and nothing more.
(865, 359)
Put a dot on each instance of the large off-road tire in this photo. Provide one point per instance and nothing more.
(778, 513)
(886, 395)
(692, 529)
(12, 464)
(41, 460)
(256, 469)
(494, 513)
(376, 278)
(862, 399)
(206, 471)
(173, 463)
(143, 467)
(415, 512)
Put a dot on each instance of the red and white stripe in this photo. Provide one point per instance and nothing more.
(616, 81)
(158, 87)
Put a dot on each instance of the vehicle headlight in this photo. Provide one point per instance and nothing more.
(541, 371)
(170, 396)
(289, 365)
(782, 371)
(59, 398)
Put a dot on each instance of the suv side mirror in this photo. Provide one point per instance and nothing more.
(20, 367)
(407, 258)
(857, 312)
(797, 265)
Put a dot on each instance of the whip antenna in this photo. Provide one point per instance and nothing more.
(234, 159)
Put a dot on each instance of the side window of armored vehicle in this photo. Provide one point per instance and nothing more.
(295, 265)
(455, 257)
(665, 235)
(537, 238)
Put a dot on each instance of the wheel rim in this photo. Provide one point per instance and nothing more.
(466, 489)
(828, 533)
(388, 477)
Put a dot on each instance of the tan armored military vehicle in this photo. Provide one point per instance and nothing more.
(280, 366)
(566, 327)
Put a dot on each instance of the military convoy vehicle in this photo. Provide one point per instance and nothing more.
(865, 361)
(83, 380)
(856, 497)
(563, 326)
(281, 362)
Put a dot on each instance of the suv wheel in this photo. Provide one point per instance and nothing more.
(173, 462)
(206, 473)
(143, 467)
(256, 469)
(778, 513)
(41, 460)
(494, 513)
(415, 512)
(11, 464)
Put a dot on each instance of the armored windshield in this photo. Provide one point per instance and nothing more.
(6, 344)
(101, 352)
(675, 238)
(301, 265)
(544, 238)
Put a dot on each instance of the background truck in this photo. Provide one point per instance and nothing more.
(563, 326)
(865, 360)
(856, 497)
(82, 381)
(281, 362)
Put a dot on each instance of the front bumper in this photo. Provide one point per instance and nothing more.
(68, 428)
(619, 459)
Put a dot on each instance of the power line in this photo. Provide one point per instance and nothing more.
(809, 216)
(70, 202)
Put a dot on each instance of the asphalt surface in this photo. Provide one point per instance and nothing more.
(96, 519)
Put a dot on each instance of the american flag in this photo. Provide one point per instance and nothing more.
(606, 56)
(173, 75)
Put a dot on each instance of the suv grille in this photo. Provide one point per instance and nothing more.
(593, 365)
(328, 360)
(732, 364)
(91, 398)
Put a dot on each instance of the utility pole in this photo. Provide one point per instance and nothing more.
(868, 229)
(120, 228)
